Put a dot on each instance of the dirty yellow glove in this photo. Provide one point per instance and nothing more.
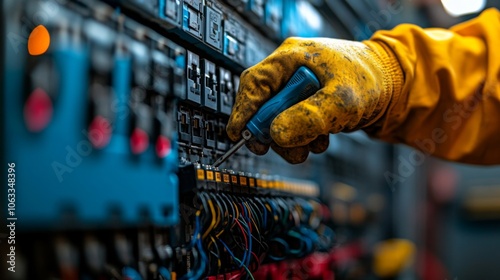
(358, 81)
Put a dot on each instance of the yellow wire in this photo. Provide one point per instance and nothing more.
(219, 263)
(212, 224)
(217, 221)
(250, 216)
(237, 211)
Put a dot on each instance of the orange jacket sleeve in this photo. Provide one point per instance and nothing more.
(449, 106)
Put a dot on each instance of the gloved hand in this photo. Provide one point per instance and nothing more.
(358, 81)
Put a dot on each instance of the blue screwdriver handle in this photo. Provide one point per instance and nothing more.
(302, 85)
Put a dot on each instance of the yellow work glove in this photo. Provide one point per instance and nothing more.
(358, 81)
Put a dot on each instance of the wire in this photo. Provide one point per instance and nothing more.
(285, 217)
(244, 236)
(257, 261)
(249, 234)
(213, 214)
(204, 258)
(236, 259)
(259, 240)
(219, 263)
(196, 241)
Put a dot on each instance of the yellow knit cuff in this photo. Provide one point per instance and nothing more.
(393, 76)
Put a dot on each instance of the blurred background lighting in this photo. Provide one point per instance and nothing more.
(458, 8)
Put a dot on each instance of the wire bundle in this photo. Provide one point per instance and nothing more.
(238, 233)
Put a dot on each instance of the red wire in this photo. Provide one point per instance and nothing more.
(244, 234)
(256, 258)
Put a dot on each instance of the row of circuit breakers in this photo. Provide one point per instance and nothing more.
(112, 102)
(113, 130)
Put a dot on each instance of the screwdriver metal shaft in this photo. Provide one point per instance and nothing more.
(245, 136)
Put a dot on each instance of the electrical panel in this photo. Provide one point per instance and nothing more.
(113, 130)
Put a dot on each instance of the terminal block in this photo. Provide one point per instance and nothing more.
(193, 76)
(213, 27)
(234, 40)
(192, 18)
(226, 92)
(209, 85)
(205, 177)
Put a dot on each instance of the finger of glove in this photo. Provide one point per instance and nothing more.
(301, 123)
(258, 83)
(292, 155)
(256, 147)
(319, 144)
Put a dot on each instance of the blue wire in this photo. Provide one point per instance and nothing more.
(243, 223)
(165, 273)
(197, 241)
(273, 206)
(249, 238)
(203, 256)
(265, 217)
(203, 262)
(131, 273)
(231, 253)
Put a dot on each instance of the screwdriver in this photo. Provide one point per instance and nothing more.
(301, 85)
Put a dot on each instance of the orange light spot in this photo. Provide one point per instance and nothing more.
(39, 40)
